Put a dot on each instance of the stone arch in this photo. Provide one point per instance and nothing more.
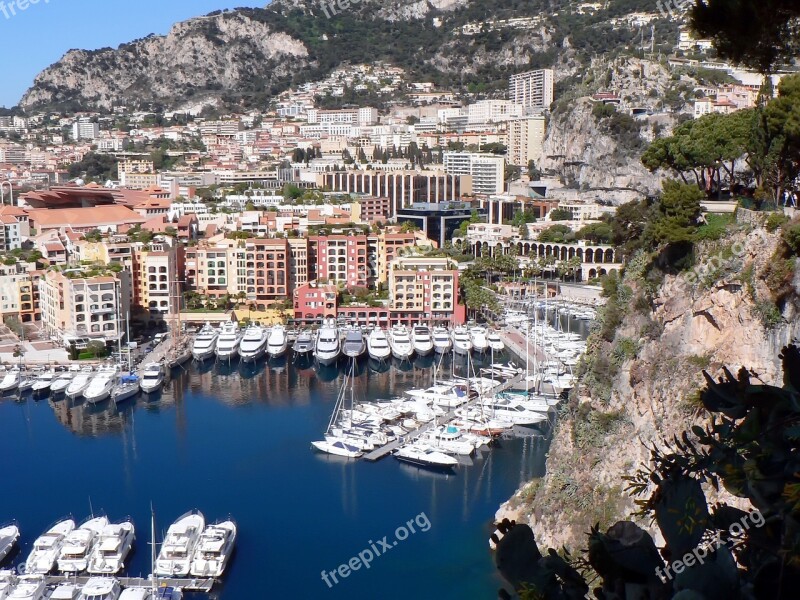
(571, 252)
(563, 253)
(609, 257)
(592, 273)
(589, 256)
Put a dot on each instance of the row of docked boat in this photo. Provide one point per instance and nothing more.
(99, 547)
(437, 426)
(331, 342)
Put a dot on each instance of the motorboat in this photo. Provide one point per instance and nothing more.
(328, 346)
(338, 447)
(67, 590)
(514, 412)
(60, 383)
(304, 344)
(214, 550)
(400, 342)
(179, 545)
(9, 536)
(462, 344)
(354, 344)
(77, 547)
(101, 588)
(152, 378)
(448, 440)
(11, 381)
(444, 395)
(102, 383)
(278, 342)
(126, 387)
(47, 547)
(112, 548)
(41, 387)
(228, 342)
(423, 455)
(496, 343)
(254, 343)
(205, 343)
(378, 345)
(442, 343)
(477, 335)
(78, 385)
(29, 587)
(25, 383)
(422, 340)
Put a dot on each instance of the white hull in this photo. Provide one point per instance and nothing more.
(47, 547)
(77, 548)
(182, 537)
(338, 448)
(112, 548)
(9, 536)
(253, 346)
(214, 550)
(378, 346)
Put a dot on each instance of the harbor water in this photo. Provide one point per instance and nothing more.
(235, 440)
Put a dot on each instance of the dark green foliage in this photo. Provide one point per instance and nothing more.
(560, 214)
(599, 233)
(95, 167)
(675, 219)
(556, 234)
(751, 447)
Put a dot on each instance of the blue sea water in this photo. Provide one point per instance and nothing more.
(236, 441)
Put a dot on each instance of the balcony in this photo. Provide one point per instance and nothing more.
(97, 309)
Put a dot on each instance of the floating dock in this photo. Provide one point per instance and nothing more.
(188, 585)
(379, 453)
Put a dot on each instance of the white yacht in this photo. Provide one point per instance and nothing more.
(442, 343)
(378, 345)
(78, 385)
(228, 342)
(495, 341)
(462, 344)
(74, 554)
(254, 343)
(152, 378)
(29, 587)
(47, 547)
(41, 387)
(100, 387)
(175, 557)
(152, 593)
(304, 344)
(516, 413)
(423, 455)
(354, 343)
(67, 590)
(61, 383)
(9, 536)
(477, 335)
(400, 342)
(205, 343)
(278, 342)
(328, 346)
(101, 588)
(214, 550)
(11, 380)
(112, 548)
(338, 447)
(422, 340)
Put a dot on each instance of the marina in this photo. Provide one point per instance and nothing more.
(274, 407)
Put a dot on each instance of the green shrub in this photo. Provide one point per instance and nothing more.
(775, 220)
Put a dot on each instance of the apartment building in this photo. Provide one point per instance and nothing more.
(374, 209)
(298, 261)
(10, 233)
(526, 140)
(155, 279)
(13, 278)
(532, 90)
(84, 129)
(342, 259)
(401, 187)
(85, 304)
(486, 170)
(425, 289)
(485, 112)
(267, 269)
(314, 302)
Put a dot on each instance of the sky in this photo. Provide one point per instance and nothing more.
(37, 36)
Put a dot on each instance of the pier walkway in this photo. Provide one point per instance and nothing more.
(190, 585)
(379, 453)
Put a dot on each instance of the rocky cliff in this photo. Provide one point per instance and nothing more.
(654, 364)
(199, 57)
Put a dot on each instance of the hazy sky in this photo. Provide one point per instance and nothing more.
(36, 37)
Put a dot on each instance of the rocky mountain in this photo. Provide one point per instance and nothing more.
(642, 388)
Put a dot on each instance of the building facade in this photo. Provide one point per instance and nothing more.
(532, 90)
(526, 140)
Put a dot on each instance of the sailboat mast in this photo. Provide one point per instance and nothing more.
(154, 577)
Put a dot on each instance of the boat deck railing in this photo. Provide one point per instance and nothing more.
(188, 584)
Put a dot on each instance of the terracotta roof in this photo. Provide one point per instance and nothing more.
(13, 211)
(54, 247)
(8, 220)
(84, 217)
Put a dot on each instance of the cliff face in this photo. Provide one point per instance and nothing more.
(653, 395)
(601, 153)
(197, 57)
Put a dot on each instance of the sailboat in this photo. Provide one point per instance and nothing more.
(335, 442)
(154, 592)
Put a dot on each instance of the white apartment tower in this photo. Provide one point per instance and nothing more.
(84, 129)
(487, 170)
(526, 140)
(532, 90)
